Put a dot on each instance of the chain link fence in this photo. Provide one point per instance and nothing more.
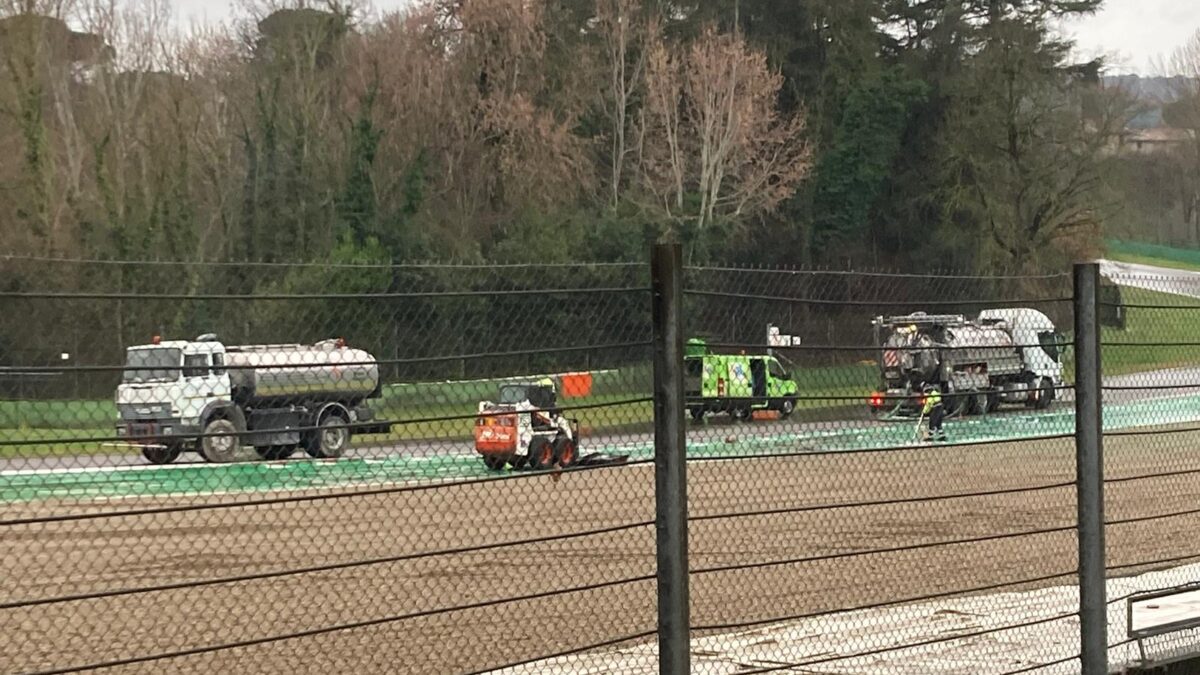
(440, 468)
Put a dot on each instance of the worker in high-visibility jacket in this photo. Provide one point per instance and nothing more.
(935, 412)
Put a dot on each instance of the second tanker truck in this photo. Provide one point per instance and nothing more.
(1003, 356)
(201, 396)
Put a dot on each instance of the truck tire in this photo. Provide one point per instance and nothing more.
(566, 453)
(331, 440)
(1045, 394)
(697, 414)
(541, 453)
(220, 449)
(275, 453)
(977, 403)
(162, 455)
(993, 403)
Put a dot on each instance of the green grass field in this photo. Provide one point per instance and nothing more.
(1145, 325)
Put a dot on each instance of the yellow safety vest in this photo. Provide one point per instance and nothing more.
(932, 399)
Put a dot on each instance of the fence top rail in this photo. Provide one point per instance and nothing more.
(451, 265)
(937, 274)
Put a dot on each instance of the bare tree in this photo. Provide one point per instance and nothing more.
(623, 32)
(1184, 113)
(714, 145)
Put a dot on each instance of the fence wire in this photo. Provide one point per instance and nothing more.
(449, 468)
(1151, 380)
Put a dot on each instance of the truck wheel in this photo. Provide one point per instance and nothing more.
(541, 453)
(1045, 394)
(566, 454)
(993, 403)
(697, 414)
(220, 449)
(977, 404)
(494, 462)
(162, 455)
(787, 408)
(332, 438)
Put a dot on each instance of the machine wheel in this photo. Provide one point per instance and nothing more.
(1045, 394)
(330, 440)
(159, 455)
(787, 408)
(494, 462)
(274, 453)
(566, 453)
(541, 453)
(220, 449)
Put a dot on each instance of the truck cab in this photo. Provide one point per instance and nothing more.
(738, 384)
(164, 390)
(1041, 344)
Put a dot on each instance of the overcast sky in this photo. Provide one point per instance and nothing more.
(1133, 33)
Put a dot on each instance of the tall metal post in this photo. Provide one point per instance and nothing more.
(670, 466)
(1089, 472)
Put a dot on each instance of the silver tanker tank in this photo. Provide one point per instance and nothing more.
(913, 351)
(326, 371)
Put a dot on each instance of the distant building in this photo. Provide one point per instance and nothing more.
(1147, 132)
(1148, 141)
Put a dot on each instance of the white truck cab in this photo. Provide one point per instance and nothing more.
(1039, 341)
(166, 387)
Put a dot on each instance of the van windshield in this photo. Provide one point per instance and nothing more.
(153, 364)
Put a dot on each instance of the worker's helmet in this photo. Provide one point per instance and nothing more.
(546, 382)
(929, 389)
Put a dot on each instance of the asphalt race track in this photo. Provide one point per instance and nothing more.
(128, 475)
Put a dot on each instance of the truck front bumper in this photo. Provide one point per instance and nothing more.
(156, 431)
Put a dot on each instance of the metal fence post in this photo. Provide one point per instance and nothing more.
(1089, 472)
(670, 467)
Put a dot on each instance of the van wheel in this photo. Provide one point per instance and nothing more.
(332, 438)
(787, 408)
(566, 454)
(541, 453)
(162, 455)
(495, 462)
(220, 449)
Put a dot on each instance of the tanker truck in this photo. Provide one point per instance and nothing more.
(202, 396)
(1009, 356)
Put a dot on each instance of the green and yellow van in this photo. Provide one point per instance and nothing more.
(738, 384)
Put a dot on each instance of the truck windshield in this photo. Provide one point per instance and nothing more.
(1052, 344)
(152, 365)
